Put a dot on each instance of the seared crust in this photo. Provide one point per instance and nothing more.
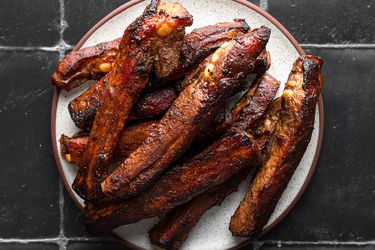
(175, 227)
(292, 137)
(135, 59)
(172, 230)
(82, 109)
(235, 152)
(263, 62)
(250, 110)
(201, 42)
(197, 45)
(72, 148)
(129, 140)
(150, 105)
(188, 115)
(265, 132)
(82, 65)
(154, 104)
(255, 102)
(180, 184)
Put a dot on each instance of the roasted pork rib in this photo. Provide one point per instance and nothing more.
(172, 230)
(197, 45)
(291, 139)
(133, 136)
(89, 63)
(195, 107)
(232, 153)
(139, 48)
(94, 62)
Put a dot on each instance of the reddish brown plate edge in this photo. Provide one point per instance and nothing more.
(274, 22)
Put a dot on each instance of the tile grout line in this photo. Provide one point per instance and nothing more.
(256, 243)
(339, 46)
(323, 242)
(62, 240)
(56, 240)
(61, 47)
(263, 4)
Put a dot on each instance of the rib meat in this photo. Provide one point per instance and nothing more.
(132, 137)
(197, 45)
(89, 63)
(187, 117)
(72, 148)
(153, 104)
(292, 137)
(201, 42)
(138, 51)
(173, 230)
(149, 106)
(94, 62)
(234, 152)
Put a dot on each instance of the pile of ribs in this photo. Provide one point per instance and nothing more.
(160, 136)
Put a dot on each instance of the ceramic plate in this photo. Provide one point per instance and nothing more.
(212, 230)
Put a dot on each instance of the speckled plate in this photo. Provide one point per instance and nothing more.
(212, 230)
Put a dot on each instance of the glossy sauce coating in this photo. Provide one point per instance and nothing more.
(137, 52)
(196, 47)
(188, 115)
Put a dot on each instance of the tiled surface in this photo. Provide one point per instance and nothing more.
(314, 247)
(83, 14)
(29, 23)
(29, 246)
(322, 21)
(28, 179)
(95, 246)
(73, 219)
(337, 210)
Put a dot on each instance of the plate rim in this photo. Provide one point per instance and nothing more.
(285, 32)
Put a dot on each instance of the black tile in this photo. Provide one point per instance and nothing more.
(29, 181)
(251, 246)
(256, 2)
(339, 202)
(95, 246)
(29, 23)
(315, 247)
(322, 21)
(73, 219)
(28, 246)
(82, 15)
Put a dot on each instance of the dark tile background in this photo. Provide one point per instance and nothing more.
(29, 23)
(314, 247)
(337, 210)
(83, 14)
(29, 246)
(322, 21)
(28, 179)
(74, 245)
